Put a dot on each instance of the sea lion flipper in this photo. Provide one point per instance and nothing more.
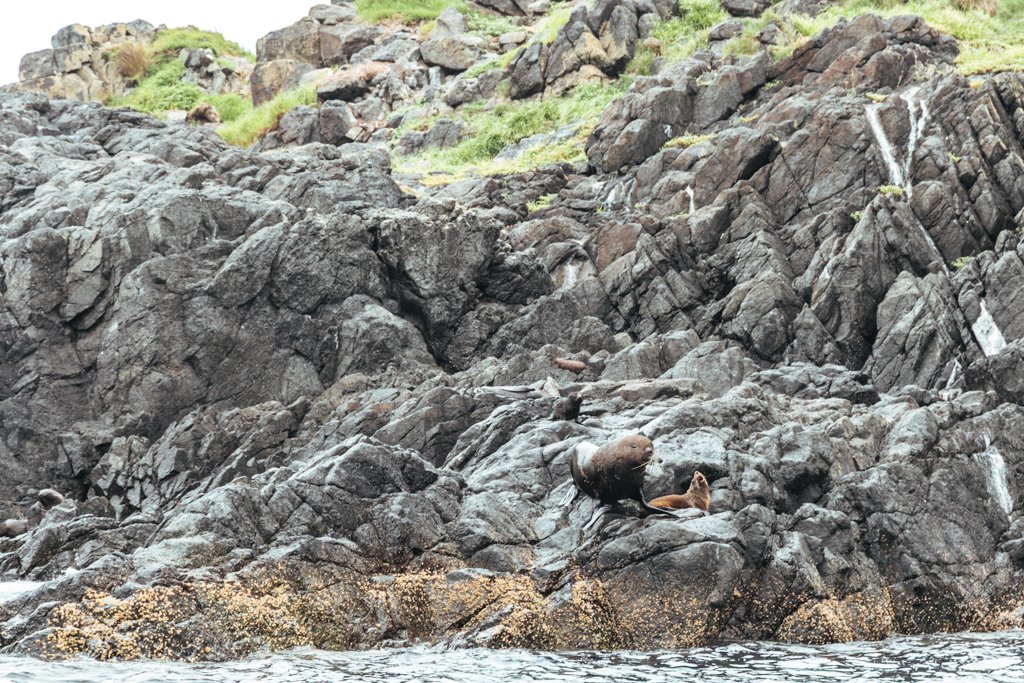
(650, 508)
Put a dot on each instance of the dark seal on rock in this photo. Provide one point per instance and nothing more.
(567, 408)
(615, 471)
(697, 496)
(50, 498)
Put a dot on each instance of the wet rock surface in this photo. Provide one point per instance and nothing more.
(288, 401)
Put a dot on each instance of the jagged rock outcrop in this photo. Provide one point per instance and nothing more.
(80, 65)
(596, 43)
(284, 368)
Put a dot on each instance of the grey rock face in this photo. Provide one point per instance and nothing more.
(283, 367)
(78, 65)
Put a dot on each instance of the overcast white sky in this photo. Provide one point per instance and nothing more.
(27, 26)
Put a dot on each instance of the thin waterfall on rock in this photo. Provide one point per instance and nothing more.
(689, 191)
(899, 174)
(953, 374)
(888, 153)
(987, 332)
(995, 474)
(917, 111)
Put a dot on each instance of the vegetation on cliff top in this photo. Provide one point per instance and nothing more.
(991, 37)
(492, 130)
(159, 86)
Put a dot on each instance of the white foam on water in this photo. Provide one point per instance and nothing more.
(995, 475)
(689, 191)
(987, 332)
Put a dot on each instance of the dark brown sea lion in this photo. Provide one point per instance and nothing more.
(50, 498)
(45, 499)
(567, 408)
(697, 496)
(615, 471)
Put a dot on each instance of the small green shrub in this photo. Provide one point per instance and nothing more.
(255, 122)
(744, 44)
(961, 262)
(688, 140)
(856, 216)
(541, 202)
(890, 190)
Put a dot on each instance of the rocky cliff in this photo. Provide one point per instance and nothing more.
(292, 399)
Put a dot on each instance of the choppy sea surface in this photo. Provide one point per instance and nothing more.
(989, 657)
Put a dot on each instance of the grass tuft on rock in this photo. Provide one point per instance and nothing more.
(406, 11)
(168, 43)
(252, 124)
(510, 122)
(680, 36)
(161, 90)
(989, 42)
(159, 73)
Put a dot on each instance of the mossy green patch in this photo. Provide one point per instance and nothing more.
(254, 123)
(679, 36)
(508, 123)
(230, 106)
(161, 88)
(406, 11)
(987, 43)
(174, 39)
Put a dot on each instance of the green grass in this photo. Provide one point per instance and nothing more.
(987, 43)
(890, 190)
(541, 202)
(688, 140)
(406, 11)
(508, 123)
(230, 106)
(252, 124)
(161, 88)
(171, 41)
(679, 36)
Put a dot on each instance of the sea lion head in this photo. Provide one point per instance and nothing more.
(639, 448)
(699, 483)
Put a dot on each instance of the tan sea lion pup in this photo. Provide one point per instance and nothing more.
(615, 471)
(697, 496)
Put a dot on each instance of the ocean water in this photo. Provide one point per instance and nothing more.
(965, 657)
